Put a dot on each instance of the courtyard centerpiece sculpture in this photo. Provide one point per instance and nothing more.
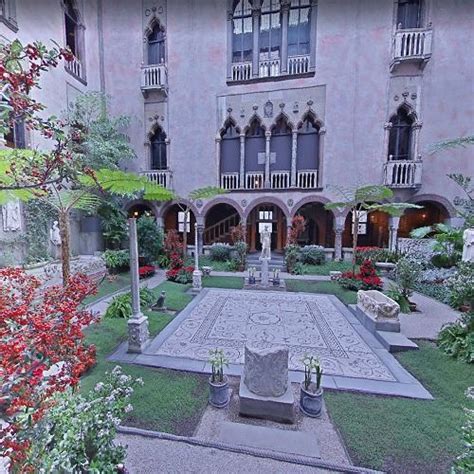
(311, 393)
(219, 393)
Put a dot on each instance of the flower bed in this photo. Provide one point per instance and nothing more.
(146, 271)
(375, 254)
(365, 279)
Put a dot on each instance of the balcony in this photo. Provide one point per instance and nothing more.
(161, 177)
(270, 68)
(412, 46)
(76, 69)
(305, 179)
(154, 78)
(403, 174)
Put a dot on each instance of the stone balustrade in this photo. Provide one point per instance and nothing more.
(75, 68)
(412, 45)
(161, 177)
(305, 179)
(242, 71)
(403, 173)
(254, 180)
(269, 68)
(230, 181)
(280, 179)
(298, 64)
(154, 77)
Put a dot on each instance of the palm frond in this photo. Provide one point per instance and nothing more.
(460, 142)
(68, 199)
(395, 209)
(206, 193)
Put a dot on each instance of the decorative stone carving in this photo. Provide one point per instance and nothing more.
(266, 371)
(199, 203)
(376, 304)
(468, 248)
(268, 110)
(296, 108)
(244, 202)
(11, 214)
(290, 202)
(138, 334)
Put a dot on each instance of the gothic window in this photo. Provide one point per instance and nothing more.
(254, 145)
(280, 144)
(156, 45)
(299, 28)
(72, 27)
(242, 35)
(270, 30)
(8, 14)
(158, 150)
(400, 138)
(230, 148)
(15, 138)
(409, 14)
(308, 145)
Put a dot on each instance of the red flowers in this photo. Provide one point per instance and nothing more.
(38, 335)
(366, 279)
(146, 271)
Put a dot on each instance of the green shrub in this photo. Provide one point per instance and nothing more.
(117, 260)
(233, 265)
(241, 248)
(220, 252)
(375, 254)
(299, 268)
(121, 305)
(407, 273)
(465, 462)
(461, 285)
(292, 252)
(457, 339)
(441, 260)
(313, 254)
(150, 239)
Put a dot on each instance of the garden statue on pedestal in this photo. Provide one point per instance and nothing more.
(265, 237)
(468, 248)
(55, 239)
(11, 215)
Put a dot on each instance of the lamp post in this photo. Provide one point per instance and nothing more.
(197, 274)
(138, 323)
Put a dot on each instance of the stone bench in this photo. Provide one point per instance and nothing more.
(377, 312)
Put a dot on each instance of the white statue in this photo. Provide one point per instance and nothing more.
(55, 238)
(266, 240)
(11, 214)
(468, 248)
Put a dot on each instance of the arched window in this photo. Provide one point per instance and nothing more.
(158, 150)
(242, 35)
(72, 25)
(308, 145)
(270, 30)
(254, 144)
(280, 144)
(400, 139)
(156, 45)
(15, 138)
(409, 14)
(230, 148)
(299, 28)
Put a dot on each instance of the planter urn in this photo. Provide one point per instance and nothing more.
(219, 393)
(311, 402)
(251, 280)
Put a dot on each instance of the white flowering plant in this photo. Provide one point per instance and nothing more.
(465, 462)
(78, 433)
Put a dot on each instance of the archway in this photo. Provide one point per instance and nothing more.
(173, 219)
(272, 216)
(140, 209)
(431, 213)
(219, 221)
(373, 230)
(319, 228)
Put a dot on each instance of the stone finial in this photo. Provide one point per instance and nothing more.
(266, 371)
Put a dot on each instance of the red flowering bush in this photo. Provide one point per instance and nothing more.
(375, 254)
(365, 279)
(171, 246)
(146, 271)
(42, 352)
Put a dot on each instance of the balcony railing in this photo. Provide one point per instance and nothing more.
(254, 180)
(298, 64)
(161, 177)
(241, 71)
(403, 173)
(305, 179)
(412, 45)
(230, 181)
(280, 179)
(154, 77)
(269, 68)
(75, 68)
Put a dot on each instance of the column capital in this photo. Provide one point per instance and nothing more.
(388, 125)
(322, 131)
(218, 138)
(242, 135)
(338, 229)
(285, 5)
(268, 133)
(417, 125)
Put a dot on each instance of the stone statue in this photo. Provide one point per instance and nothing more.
(11, 214)
(266, 239)
(55, 238)
(468, 248)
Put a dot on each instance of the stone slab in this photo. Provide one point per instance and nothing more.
(372, 325)
(274, 439)
(395, 341)
(280, 409)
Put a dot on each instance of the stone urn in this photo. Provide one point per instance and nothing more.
(219, 393)
(311, 400)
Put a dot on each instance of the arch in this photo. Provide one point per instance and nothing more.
(270, 200)
(158, 148)
(229, 122)
(141, 203)
(255, 143)
(242, 31)
(445, 204)
(173, 219)
(376, 230)
(400, 138)
(155, 40)
(219, 220)
(252, 122)
(166, 207)
(223, 200)
(308, 143)
(310, 199)
(281, 142)
(312, 116)
(319, 222)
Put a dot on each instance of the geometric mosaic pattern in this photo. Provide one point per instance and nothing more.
(306, 323)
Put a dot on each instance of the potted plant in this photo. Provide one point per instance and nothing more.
(311, 393)
(219, 395)
(252, 276)
(276, 277)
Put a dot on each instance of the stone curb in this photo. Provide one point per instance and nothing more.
(261, 453)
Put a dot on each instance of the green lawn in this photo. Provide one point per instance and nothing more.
(326, 287)
(223, 282)
(107, 287)
(168, 401)
(327, 267)
(401, 435)
(206, 261)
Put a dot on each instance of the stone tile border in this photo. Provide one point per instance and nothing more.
(405, 385)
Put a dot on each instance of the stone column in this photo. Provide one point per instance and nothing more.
(387, 127)
(268, 135)
(159, 223)
(339, 222)
(230, 28)
(218, 160)
(242, 162)
(393, 224)
(200, 234)
(313, 24)
(416, 127)
(197, 275)
(138, 323)
(255, 29)
(285, 8)
(322, 135)
(294, 146)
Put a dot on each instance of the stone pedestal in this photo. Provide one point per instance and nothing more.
(264, 270)
(197, 281)
(138, 335)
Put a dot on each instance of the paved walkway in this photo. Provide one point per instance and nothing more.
(284, 275)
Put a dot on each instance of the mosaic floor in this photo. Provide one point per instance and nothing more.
(306, 323)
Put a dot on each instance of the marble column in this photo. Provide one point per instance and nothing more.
(200, 234)
(285, 8)
(197, 275)
(138, 334)
(218, 160)
(242, 162)
(294, 146)
(416, 127)
(387, 127)
(393, 224)
(268, 135)
(230, 28)
(255, 30)
(339, 222)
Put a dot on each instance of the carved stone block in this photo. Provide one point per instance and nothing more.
(376, 304)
